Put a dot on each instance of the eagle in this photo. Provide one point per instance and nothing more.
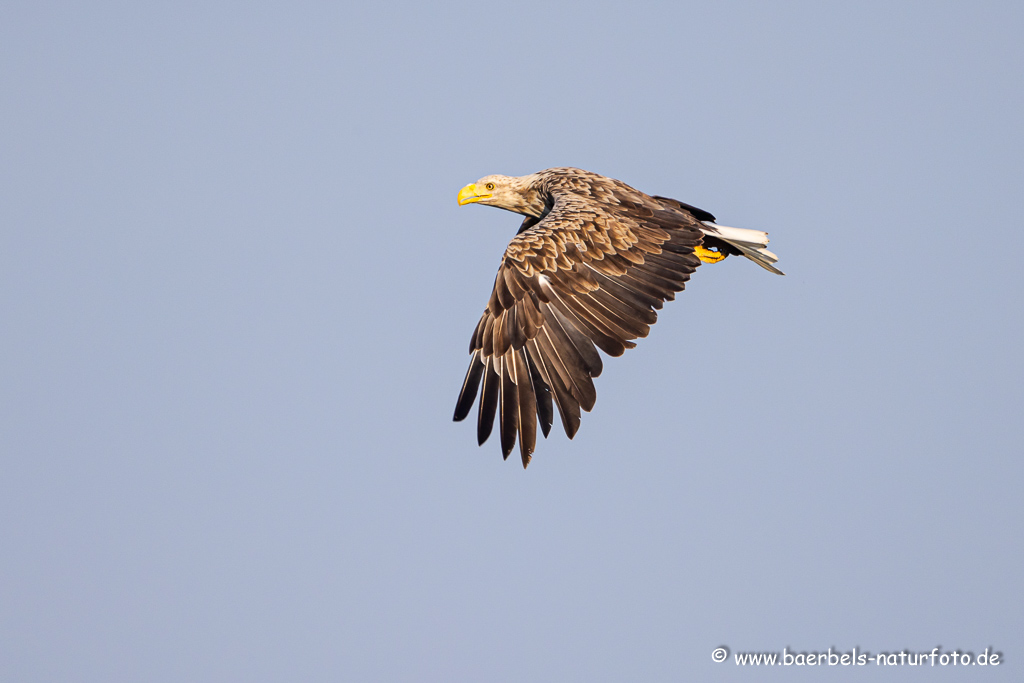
(591, 264)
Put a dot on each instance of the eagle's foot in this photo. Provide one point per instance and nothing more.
(708, 255)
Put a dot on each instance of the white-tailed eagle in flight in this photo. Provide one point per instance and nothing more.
(593, 261)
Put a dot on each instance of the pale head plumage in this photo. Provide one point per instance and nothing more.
(512, 193)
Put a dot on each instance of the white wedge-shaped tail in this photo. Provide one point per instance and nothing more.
(751, 243)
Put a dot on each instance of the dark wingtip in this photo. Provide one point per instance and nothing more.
(526, 453)
(469, 387)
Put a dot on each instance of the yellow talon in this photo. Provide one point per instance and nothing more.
(707, 255)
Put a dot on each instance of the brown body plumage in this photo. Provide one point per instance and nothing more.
(591, 263)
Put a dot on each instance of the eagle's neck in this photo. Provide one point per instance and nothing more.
(534, 200)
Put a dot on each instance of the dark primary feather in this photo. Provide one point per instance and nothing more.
(543, 395)
(590, 273)
(699, 214)
(488, 403)
(469, 387)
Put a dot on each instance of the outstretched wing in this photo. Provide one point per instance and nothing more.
(590, 274)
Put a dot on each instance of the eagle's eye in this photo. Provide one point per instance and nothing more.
(489, 186)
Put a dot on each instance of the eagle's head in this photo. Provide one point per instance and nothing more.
(505, 192)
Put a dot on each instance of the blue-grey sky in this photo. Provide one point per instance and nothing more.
(237, 295)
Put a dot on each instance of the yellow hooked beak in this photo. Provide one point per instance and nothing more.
(469, 194)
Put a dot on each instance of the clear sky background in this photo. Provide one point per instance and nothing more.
(237, 293)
